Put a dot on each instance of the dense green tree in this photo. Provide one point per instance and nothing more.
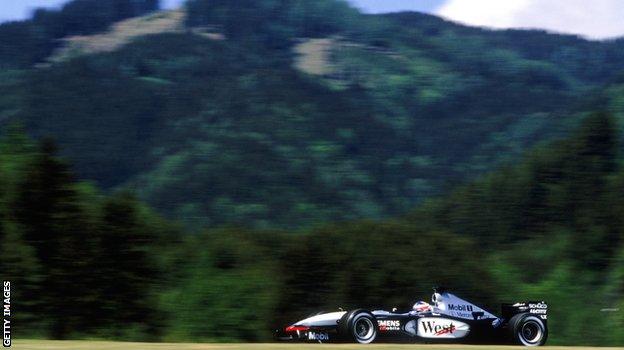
(125, 272)
(47, 213)
(228, 291)
(73, 258)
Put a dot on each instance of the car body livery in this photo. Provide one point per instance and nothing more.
(448, 319)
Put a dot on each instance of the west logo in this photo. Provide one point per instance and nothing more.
(438, 327)
(432, 327)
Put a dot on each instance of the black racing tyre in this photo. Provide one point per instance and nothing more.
(528, 330)
(359, 326)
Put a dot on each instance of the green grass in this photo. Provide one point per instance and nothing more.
(105, 345)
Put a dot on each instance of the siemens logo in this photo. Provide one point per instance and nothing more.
(389, 325)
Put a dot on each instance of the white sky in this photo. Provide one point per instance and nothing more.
(594, 19)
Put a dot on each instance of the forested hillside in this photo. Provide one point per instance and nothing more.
(219, 125)
(262, 160)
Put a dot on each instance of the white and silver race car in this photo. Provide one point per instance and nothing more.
(447, 319)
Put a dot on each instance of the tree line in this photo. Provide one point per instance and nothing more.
(89, 264)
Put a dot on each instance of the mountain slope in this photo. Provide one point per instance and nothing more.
(234, 131)
(29, 42)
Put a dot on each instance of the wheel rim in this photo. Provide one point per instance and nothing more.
(363, 329)
(531, 332)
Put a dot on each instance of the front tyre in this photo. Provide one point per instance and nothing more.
(359, 326)
(528, 330)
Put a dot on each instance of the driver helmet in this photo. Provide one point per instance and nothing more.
(421, 307)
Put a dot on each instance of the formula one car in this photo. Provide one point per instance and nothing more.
(447, 319)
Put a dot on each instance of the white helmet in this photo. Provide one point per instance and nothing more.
(421, 307)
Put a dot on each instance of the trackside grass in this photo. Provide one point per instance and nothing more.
(104, 345)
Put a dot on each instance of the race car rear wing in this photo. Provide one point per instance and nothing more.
(537, 308)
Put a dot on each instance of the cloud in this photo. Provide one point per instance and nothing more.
(594, 19)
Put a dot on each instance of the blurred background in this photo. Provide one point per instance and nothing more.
(211, 169)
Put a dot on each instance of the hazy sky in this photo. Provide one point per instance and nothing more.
(17, 9)
(597, 19)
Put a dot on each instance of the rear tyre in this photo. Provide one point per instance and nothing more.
(359, 326)
(528, 330)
